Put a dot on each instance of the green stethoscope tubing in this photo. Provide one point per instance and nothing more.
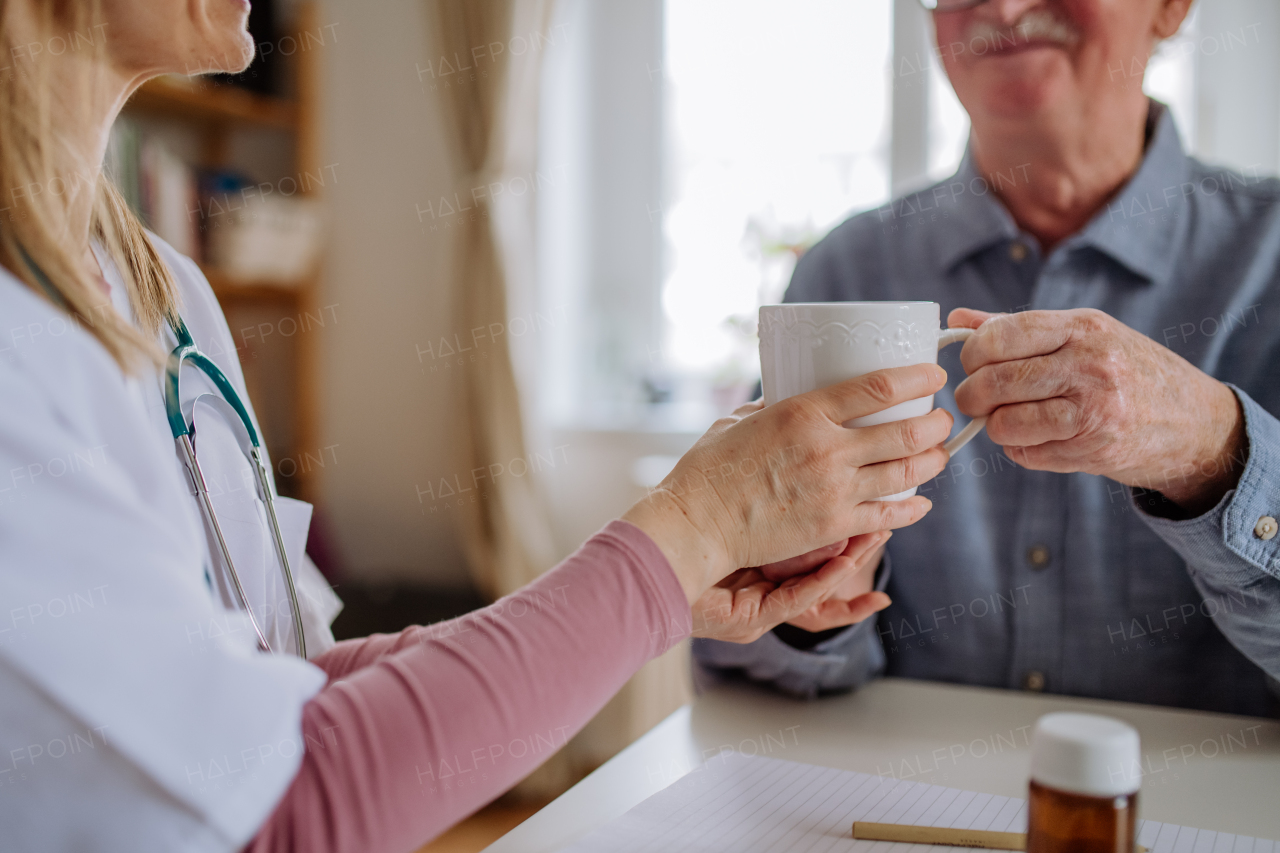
(186, 350)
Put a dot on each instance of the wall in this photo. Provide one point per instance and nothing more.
(1238, 67)
(386, 408)
(598, 483)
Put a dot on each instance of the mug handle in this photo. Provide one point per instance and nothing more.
(946, 338)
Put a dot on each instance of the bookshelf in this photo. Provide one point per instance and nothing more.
(191, 99)
(280, 366)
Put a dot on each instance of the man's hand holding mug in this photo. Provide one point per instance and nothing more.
(1078, 390)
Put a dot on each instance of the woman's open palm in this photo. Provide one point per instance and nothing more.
(746, 604)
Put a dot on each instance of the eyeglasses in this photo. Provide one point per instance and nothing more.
(950, 5)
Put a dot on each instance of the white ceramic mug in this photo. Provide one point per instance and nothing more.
(809, 345)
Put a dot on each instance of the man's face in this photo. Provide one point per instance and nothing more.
(1010, 59)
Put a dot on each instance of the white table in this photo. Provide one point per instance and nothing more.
(1212, 771)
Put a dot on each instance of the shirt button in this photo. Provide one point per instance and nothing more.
(1034, 681)
(1018, 252)
(1265, 528)
(1038, 556)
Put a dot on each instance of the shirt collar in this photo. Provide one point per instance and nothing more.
(1136, 228)
(1141, 226)
(981, 220)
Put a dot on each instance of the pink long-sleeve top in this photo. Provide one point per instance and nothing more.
(416, 730)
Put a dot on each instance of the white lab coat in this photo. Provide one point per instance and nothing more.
(222, 448)
(135, 711)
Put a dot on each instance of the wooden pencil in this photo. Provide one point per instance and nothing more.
(950, 837)
(939, 835)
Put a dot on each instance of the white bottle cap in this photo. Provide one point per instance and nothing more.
(1086, 754)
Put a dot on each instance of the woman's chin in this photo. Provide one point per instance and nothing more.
(231, 58)
(247, 50)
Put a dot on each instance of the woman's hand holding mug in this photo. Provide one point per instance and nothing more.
(768, 483)
(806, 345)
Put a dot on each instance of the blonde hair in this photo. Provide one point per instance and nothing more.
(36, 240)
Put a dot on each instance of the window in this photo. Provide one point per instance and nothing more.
(700, 145)
(1170, 77)
(777, 128)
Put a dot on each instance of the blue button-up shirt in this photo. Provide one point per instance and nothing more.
(1070, 583)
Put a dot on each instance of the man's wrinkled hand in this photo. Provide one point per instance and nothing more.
(1078, 390)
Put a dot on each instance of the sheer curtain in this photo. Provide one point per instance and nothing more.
(489, 110)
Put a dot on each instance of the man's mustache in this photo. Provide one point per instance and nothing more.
(1035, 25)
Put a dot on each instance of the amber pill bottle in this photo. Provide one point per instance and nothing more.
(1085, 774)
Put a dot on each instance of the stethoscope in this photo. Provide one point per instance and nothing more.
(186, 350)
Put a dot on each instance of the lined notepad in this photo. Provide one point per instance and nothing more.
(741, 804)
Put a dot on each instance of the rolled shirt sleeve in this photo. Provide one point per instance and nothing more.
(1230, 561)
(846, 661)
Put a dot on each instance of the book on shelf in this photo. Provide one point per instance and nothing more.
(168, 196)
(264, 239)
(250, 232)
